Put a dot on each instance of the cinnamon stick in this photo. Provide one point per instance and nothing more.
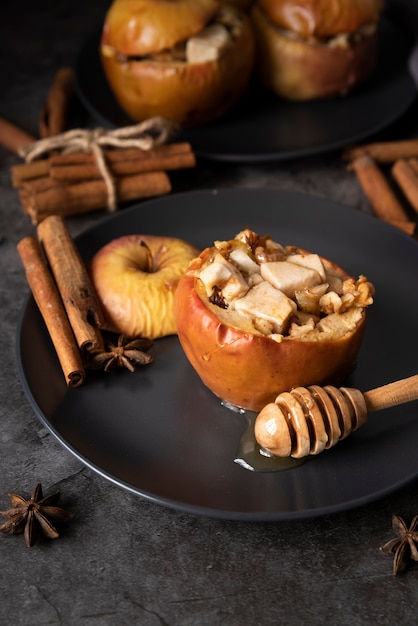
(12, 137)
(113, 155)
(73, 282)
(36, 185)
(119, 167)
(384, 152)
(88, 196)
(28, 171)
(380, 194)
(120, 161)
(55, 110)
(48, 300)
(407, 178)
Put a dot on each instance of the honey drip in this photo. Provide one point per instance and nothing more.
(252, 457)
(207, 355)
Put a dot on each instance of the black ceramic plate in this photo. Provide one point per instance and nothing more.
(160, 434)
(262, 127)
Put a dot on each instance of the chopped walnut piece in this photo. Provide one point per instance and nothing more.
(347, 300)
(366, 292)
(300, 331)
(266, 255)
(308, 299)
(248, 237)
(349, 285)
(330, 302)
(362, 290)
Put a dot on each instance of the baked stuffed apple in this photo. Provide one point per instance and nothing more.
(188, 61)
(256, 318)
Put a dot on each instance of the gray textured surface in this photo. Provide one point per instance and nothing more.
(127, 561)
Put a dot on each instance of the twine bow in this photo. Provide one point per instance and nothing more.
(143, 136)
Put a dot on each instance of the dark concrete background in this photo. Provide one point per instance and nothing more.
(124, 560)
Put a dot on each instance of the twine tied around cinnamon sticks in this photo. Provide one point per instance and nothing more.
(144, 136)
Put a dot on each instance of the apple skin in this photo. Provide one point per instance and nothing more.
(143, 27)
(188, 94)
(135, 284)
(248, 370)
(321, 18)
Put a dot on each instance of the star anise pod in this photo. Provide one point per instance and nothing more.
(404, 546)
(126, 353)
(30, 516)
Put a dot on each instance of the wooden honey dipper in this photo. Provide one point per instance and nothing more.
(308, 420)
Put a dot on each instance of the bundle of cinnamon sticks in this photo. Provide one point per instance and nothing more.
(387, 191)
(72, 183)
(68, 184)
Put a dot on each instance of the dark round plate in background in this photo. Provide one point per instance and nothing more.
(264, 128)
(161, 434)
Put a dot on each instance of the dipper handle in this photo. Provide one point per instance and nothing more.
(393, 394)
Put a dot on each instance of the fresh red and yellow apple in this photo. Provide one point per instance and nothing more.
(135, 277)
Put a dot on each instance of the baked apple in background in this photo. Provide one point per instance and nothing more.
(308, 50)
(188, 61)
(135, 277)
(255, 318)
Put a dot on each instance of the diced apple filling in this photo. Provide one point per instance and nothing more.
(267, 303)
(225, 276)
(206, 46)
(309, 260)
(282, 292)
(289, 277)
(243, 261)
(212, 41)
